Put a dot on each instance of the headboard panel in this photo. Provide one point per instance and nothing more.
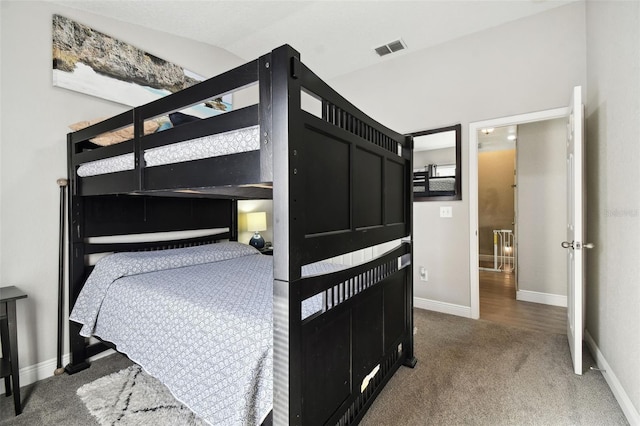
(351, 177)
(132, 214)
(121, 215)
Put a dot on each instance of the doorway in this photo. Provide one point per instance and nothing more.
(497, 198)
(506, 249)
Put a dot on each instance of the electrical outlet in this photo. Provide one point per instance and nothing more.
(424, 274)
(446, 211)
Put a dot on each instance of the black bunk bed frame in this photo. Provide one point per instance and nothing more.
(339, 182)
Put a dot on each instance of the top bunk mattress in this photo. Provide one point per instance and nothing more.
(233, 142)
(442, 184)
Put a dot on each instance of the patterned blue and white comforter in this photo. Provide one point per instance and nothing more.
(198, 319)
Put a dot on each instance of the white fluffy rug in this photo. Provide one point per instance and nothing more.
(132, 397)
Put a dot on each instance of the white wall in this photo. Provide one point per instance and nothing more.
(524, 66)
(434, 156)
(613, 198)
(542, 207)
(34, 118)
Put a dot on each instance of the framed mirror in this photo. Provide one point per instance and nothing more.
(437, 163)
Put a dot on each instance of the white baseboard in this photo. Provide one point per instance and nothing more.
(44, 369)
(544, 298)
(618, 391)
(39, 371)
(444, 307)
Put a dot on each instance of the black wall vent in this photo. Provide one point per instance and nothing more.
(390, 47)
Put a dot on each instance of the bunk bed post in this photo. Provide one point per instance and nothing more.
(77, 342)
(407, 152)
(233, 225)
(265, 118)
(285, 98)
(138, 152)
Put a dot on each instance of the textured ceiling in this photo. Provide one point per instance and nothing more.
(334, 37)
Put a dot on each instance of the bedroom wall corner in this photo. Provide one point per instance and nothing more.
(34, 117)
(613, 201)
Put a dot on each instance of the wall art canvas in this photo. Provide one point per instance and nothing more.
(94, 63)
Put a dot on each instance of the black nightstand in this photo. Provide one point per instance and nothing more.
(268, 251)
(9, 338)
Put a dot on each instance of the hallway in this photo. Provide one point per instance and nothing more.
(498, 304)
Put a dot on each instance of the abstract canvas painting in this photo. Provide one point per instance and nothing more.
(94, 63)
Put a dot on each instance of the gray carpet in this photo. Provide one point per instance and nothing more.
(468, 373)
(481, 373)
(53, 401)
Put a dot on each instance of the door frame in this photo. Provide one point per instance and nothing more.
(474, 255)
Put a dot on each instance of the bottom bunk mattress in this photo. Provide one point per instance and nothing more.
(198, 319)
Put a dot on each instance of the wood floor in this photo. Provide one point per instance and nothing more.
(498, 304)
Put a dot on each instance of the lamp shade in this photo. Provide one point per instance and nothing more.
(257, 221)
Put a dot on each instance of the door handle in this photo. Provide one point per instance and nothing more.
(576, 246)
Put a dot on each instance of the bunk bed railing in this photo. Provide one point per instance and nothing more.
(82, 151)
(347, 116)
(349, 349)
(222, 84)
(228, 82)
(341, 285)
(232, 120)
(119, 121)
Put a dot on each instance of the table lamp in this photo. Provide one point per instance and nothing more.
(257, 222)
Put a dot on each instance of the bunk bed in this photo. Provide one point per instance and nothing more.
(340, 182)
(425, 185)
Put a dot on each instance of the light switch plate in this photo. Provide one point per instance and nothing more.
(424, 274)
(446, 211)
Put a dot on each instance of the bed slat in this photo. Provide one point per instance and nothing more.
(232, 120)
(155, 245)
(121, 148)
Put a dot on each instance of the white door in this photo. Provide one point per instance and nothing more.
(575, 232)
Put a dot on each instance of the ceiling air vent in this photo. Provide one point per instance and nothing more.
(390, 47)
